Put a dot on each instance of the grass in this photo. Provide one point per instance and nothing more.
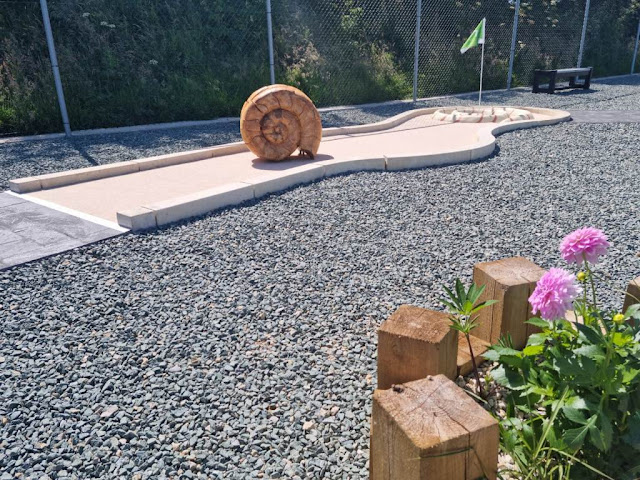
(127, 62)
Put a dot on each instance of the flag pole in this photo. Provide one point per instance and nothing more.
(484, 36)
(481, 72)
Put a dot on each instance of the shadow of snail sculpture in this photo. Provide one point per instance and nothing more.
(278, 119)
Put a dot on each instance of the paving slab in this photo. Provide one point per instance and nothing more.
(30, 231)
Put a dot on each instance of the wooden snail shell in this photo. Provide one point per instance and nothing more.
(278, 119)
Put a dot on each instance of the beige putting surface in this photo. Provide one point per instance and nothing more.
(410, 143)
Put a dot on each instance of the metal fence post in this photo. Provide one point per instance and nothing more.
(635, 50)
(584, 32)
(416, 53)
(54, 65)
(514, 35)
(272, 73)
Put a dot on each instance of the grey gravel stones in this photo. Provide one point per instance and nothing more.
(46, 156)
(218, 339)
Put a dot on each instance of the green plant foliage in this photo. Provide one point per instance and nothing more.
(575, 390)
(126, 62)
(463, 306)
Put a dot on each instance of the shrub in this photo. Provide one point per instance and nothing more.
(574, 391)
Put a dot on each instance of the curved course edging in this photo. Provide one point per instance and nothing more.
(200, 202)
(54, 180)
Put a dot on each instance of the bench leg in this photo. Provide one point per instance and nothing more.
(536, 83)
(587, 81)
(552, 82)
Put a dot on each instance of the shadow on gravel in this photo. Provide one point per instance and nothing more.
(627, 80)
(83, 153)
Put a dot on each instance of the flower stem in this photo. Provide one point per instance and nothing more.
(475, 366)
(591, 282)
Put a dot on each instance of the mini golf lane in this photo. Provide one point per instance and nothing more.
(149, 192)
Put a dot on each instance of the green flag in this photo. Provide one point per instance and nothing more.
(476, 38)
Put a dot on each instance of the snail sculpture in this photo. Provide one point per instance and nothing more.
(278, 119)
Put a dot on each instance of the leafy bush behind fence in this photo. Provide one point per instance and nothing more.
(126, 62)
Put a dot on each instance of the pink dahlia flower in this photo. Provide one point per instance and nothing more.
(587, 243)
(554, 294)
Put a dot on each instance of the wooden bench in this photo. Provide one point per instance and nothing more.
(551, 76)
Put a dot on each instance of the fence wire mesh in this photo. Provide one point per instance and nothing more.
(125, 62)
(548, 37)
(27, 91)
(611, 36)
(445, 27)
(345, 51)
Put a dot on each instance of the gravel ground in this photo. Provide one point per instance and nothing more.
(45, 156)
(242, 344)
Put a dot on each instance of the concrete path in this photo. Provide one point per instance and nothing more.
(605, 116)
(29, 231)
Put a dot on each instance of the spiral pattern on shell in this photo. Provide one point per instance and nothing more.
(278, 119)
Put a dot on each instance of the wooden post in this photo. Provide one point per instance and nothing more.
(510, 281)
(633, 294)
(431, 430)
(465, 365)
(415, 342)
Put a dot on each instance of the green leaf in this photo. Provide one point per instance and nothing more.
(601, 433)
(540, 391)
(621, 339)
(589, 334)
(575, 436)
(606, 429)
(457, 326)
(508, 378)
(474, 292)
(555, 440)
(632, 437)
(575, 415)
(467, 307)
(633, 312)
(577, 403)
(533, 350)
(528, 435)
(537, 339)
(452, 308)
(462, 296)
(482, 305)
(456, 302)
(538, 322)
(506, 351)
(629, 374)
(508, 356)
(567, 367)
(591, 351)
(491, 355)
(513, 422)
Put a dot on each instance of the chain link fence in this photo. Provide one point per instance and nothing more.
(548, 37)
(445, 25)
(345, 52)
(27, 92)
(125, 62)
